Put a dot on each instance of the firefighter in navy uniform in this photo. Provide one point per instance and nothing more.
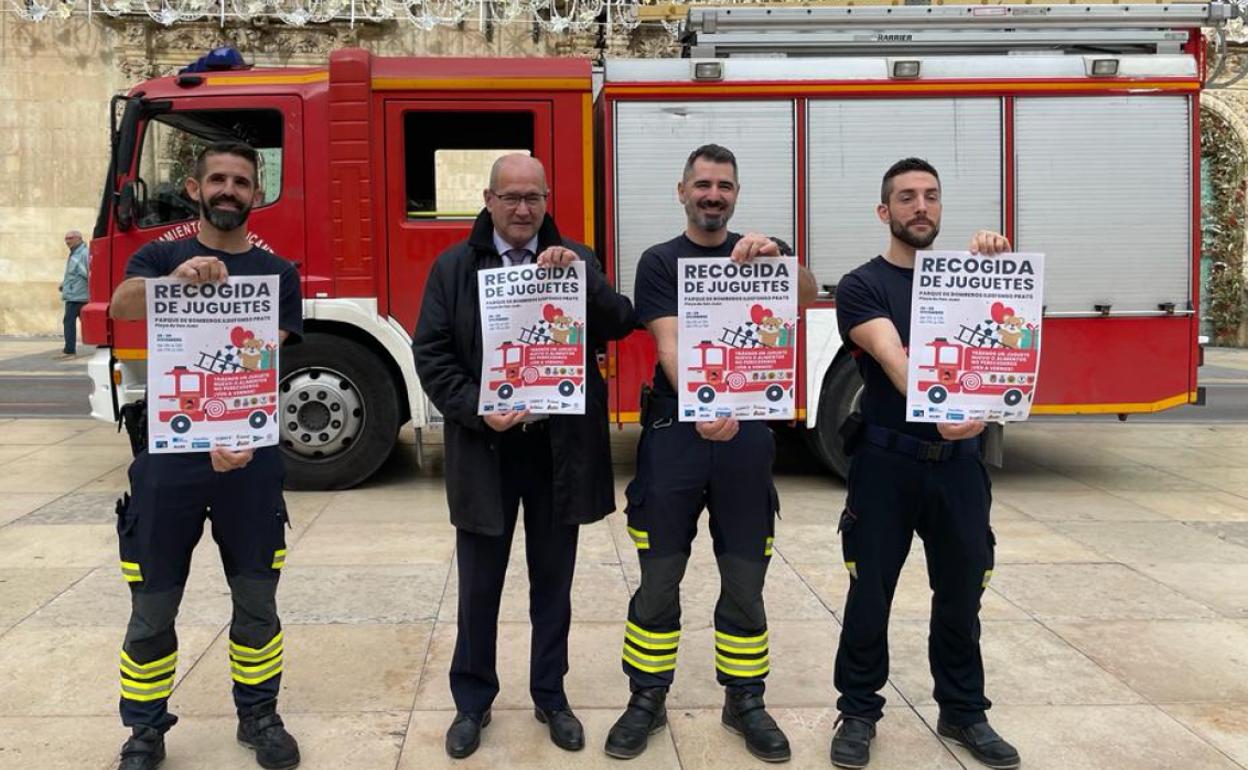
(906, 478)
(240, 492)
(683, 467)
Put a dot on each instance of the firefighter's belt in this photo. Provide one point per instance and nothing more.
(925, 451)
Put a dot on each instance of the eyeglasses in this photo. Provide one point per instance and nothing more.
(513, 200)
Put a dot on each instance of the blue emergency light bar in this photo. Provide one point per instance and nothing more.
(223, 58)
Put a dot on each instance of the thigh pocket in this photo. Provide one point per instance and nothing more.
(849, 545)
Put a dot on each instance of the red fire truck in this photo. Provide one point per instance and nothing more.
(1073, 129)
(553, 364)
(988, 371)
(722, 369)
(208, 397)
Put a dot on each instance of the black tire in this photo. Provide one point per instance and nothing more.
(352, 369)
(774, 393)
(842, 387)
(180, 423)
(257, 419)
(1013, 396)
(706, 394)
(505, 390)
(937, 394)
(566, 388)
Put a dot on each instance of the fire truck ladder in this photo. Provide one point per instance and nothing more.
(832, 30)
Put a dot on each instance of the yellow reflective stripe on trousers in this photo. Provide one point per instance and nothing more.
(651, 664)
(987, 578)
(279, 559)
(743, 668)
(767, 546)
(720, 636)
(146, 691)
(246, 654)
(256, 674)
(641, 538)
(148, 670)
(852, 566)
(659, 640)
(131, 571)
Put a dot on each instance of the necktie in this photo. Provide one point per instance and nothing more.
(517, 256)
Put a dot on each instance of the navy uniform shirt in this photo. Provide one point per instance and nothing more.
(160, 258)
(879, 289)
(655, 292)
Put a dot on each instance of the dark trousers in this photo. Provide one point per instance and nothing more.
(550, 548)
(892, 496)
(678, 475)
(72, 309)
(158, 527)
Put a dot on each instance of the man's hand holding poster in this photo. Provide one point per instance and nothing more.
(532, 339)
(737, 339)
(974, 336)
(212, 364)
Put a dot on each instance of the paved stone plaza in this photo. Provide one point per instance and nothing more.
(1115, 628)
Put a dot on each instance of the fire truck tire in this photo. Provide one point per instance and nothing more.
(706, 394)
(1013, 396)
(566, 388)
(937, 394)
(842, 388)
(257, 419)
(344, 410)
(774, 392)
(505, 391)
(180, 423)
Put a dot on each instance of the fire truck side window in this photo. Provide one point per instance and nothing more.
(188, 382)
(172, 140)
(947, 356)
(714, 357)
(448, 157)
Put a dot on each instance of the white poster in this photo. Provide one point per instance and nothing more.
(212, 364)
(738, 338)
(974, 336)
(532, 339)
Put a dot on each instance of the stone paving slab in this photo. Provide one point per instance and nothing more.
(1113, 631)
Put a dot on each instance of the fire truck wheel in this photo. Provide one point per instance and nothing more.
(180, 424)
(774, 392)
(842, 389)
(257, 420)
(505, 391)
(339, 412)
(706, 394)
(1013, 396)
(566, 388)
(937, 394)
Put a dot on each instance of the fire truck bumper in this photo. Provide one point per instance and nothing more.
(114, 383)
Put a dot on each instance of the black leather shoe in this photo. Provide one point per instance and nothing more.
(464, 735)
(983, 743)
(851, 746)
(262, 731)
(646, 715)
(144, 750)
(565, 729)
(746, 715)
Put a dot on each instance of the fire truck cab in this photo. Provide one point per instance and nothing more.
(1073, 129)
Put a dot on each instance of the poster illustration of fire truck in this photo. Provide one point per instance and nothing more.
(737, 339)
(532, 339)
(975, 333)
(212, 364)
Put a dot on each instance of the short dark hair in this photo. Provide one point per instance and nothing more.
(715, 153)
(241, 149)
(903, 166)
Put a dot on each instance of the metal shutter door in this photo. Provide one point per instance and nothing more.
(1104, 190)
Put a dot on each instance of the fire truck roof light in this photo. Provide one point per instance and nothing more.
(708, 70)
(904, 69)
(1101, 68)
(223, 58)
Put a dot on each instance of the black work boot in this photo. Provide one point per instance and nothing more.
(144, 750)
(851, 745)
(746, 715)
(463, 737)
(261, 730)
(644, 716)
(983, 743)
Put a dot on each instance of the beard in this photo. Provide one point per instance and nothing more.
(709, 217)
(915, 240)
(224, 219)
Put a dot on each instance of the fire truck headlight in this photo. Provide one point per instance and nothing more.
(1100, 68)
(905, 69)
